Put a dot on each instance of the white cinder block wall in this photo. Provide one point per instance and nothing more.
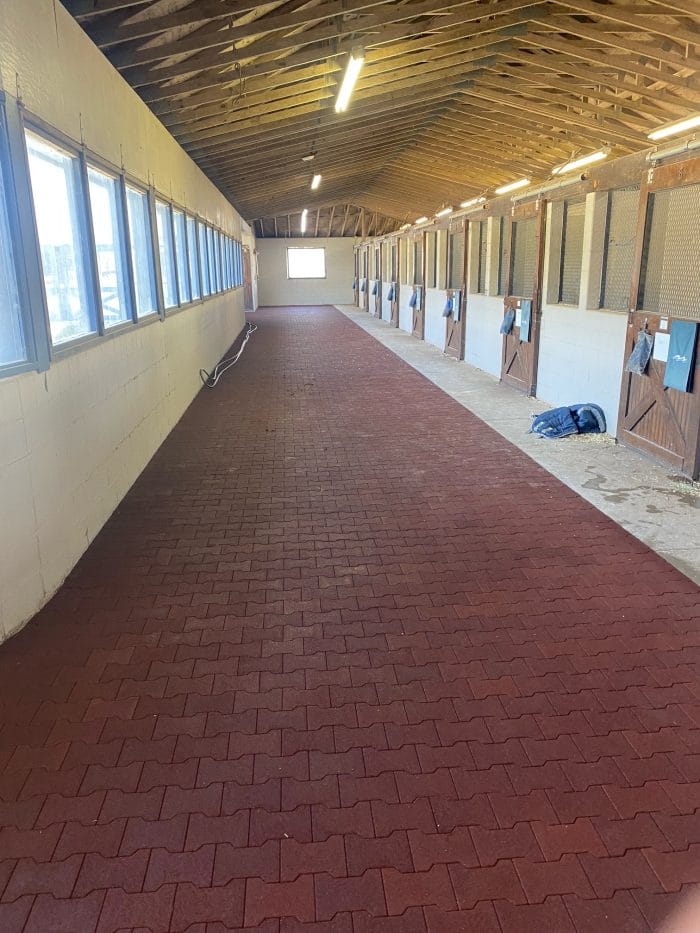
(581, 349)
(74, 439)
(276, 290)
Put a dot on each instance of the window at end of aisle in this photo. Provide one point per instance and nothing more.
(306, 263)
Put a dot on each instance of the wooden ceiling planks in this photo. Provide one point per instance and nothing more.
(456, 96)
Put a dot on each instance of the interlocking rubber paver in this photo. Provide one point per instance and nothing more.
(345, 661)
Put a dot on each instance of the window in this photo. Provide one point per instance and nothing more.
(213, 287)
(227, 263)
(110, 247)
(56, 191)
(239, 264)
(418, 261)
(455, 260)
(431, 259)
(166, 249)
(501, 256)
(620, 243)
(669, 282)
(12, 346)
(193, 255)
(523, 262)
(183, 269)
(204, 259)
(482, 239)
(141, 251)
(306, 263)
(571, 251)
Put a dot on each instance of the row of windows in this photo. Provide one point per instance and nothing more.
(112, 254)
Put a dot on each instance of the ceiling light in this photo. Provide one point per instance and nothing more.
(472, 202)
(421, 220)
(579, 163)
(404, 226)
(352, 71)
(513, 186)
(315, 182)
(680, 126)
(444, 212)
(308, 158)
(303, 220)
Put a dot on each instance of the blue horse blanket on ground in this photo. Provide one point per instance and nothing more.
(573, 419)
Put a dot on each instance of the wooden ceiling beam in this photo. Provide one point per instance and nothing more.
(655, 25)
(559, 64)
(656, 51)
(316, 46)
(601, 59)
(84, 8)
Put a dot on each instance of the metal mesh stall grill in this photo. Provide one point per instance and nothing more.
(430, 259)
(455, 258)
(418, 261)
(571, 251)
(403, 260)
(501, 233)
(394, 260)
(376, 262)
(481, 267)
(669, 282)
(619, 248)
(523, 258)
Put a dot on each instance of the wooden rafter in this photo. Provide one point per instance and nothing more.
(455, 95)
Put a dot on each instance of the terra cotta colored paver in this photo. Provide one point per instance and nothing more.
(346, 660)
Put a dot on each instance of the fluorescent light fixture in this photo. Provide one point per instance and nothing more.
(404, 226)
(303, 220)
(579, 163)
(315, 182)
(472, 202)
(421, 220)
(352, 71)
(308, 158)
(444, 212)
(680, 126)
(513, 186)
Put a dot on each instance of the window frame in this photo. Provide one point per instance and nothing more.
(54, 137)
(26, 262)
(105, 168)
(159, 312)
(170, 231)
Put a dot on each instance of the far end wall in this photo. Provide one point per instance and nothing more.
(275, 289)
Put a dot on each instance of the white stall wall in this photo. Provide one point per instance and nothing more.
(405, 312)
(74, 439)
(484, 342)
(435, 329)
(276, 290)
(581, 358)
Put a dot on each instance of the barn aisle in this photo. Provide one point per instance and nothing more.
(346, 657)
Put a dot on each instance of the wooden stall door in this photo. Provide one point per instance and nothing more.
(395, 306)
(418, 316)
(247, 281)
(456, 323)
(519, 360)
(378, 272)
(454, 334)
(661, 421)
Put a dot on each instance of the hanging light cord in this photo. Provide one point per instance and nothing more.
(210, 379)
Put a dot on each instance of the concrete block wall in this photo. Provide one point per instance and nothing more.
(74, 439)
(275, 289)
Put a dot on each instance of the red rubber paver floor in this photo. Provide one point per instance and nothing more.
(346, 660)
